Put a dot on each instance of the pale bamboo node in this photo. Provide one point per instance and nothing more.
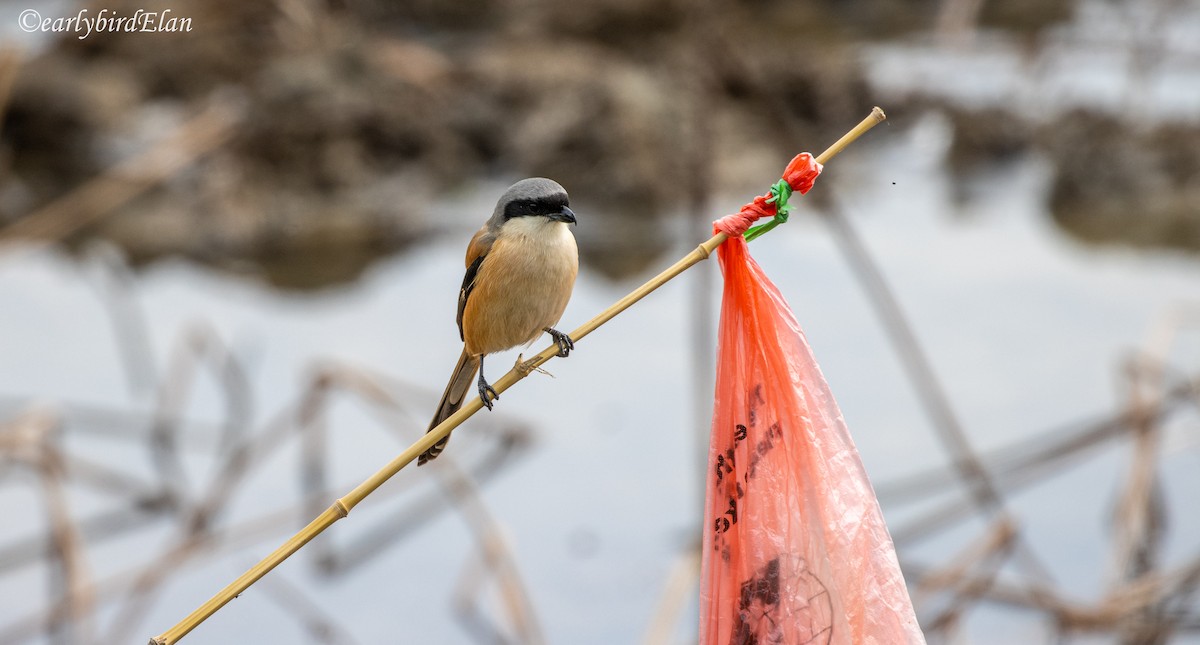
(342, 507)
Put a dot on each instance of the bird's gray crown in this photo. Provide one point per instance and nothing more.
(533, 196)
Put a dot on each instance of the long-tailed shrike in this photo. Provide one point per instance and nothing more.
(521, 268)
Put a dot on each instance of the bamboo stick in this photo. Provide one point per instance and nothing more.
(342, 507)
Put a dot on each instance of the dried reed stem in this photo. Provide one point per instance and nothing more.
(322, 627)
(342, 507)
(496, 558)
(17, 439)
(121, 183)
(10, 64)
(673, 599)
(982, 490)
(969, 574)
(115, 286)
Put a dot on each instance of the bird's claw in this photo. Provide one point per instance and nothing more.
(487, 393)
(564, 342)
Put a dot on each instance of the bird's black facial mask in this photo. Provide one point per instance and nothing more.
(552, 206)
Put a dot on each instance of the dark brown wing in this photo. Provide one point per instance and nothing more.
(468, 286)
(477, 250)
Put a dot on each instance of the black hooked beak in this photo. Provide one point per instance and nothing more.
(565, 215)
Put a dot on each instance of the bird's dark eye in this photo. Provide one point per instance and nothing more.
(531, 207)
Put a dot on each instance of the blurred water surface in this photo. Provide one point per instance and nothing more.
(1026, 328)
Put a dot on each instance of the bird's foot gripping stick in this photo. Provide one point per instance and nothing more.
(564, 342)
(487, 393)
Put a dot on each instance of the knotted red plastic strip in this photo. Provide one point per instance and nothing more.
(800, 174)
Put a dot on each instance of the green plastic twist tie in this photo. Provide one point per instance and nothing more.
(781, 192)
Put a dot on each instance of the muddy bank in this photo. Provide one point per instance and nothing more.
(353, 117)
(1114, 182)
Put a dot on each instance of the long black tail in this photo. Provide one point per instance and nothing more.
(452, 400)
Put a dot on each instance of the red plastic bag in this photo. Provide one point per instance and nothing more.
(795, 547)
